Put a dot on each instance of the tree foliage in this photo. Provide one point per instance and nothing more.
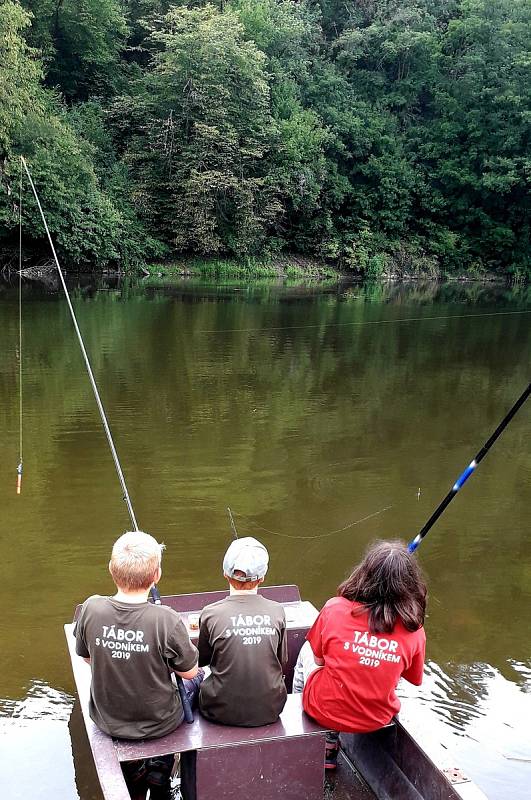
(82, 41)
(92, 227)
(20, 72)
(199, 131)
(378, 133)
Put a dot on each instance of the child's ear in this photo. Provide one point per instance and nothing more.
(158, 575)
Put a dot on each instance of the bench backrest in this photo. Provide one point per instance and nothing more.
(184, 603)
(196, 602)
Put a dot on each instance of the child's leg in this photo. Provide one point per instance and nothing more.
(159, 777)
(135, 774)
(332, 740)
(332, 749)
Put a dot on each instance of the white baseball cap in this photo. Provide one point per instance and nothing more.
(246, 555)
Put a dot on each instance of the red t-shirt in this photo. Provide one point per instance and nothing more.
(355, 690)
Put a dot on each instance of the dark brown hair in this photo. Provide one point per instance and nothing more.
(390, 584)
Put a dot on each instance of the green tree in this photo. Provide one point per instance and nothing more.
(381, 133)
(82, 41)
(89, 228)
(478, 146)
(201, 127)
(20, 72)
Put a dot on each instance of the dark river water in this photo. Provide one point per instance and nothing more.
(344, 411)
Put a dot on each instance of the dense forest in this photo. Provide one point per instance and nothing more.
(374, 134)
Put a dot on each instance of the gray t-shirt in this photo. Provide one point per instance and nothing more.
(133, 650)
(243, 639)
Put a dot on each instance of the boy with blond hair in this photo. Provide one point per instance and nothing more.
(133, 648)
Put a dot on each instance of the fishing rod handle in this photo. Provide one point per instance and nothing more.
(187, 708)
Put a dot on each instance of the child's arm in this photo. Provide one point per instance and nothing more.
(189, 674)
(182, 654)
(204, 646)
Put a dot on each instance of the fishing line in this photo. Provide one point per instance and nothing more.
(204, 505)
(361, 324)
(20, 460)
(188, 714)
(99, 403)
(319, 535)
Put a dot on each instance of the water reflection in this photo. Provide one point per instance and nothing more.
(41, 701)
(35, 745)
(305, 410)
(481, 717)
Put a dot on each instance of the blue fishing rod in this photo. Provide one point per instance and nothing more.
(155, 594)
(465, 475)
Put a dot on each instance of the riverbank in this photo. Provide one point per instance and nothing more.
(295, 267)
(289, 267)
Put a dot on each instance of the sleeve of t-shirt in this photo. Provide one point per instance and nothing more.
(205, 648)
(315, 634)
(415, 671)
(282, 652)
(79, 633)
(180, 652)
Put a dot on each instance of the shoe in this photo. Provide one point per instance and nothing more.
(331, 757)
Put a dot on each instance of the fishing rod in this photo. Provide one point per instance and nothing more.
(155, 594)
(233, 526)
(101, 409)
(465, 475)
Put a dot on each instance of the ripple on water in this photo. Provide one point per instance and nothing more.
(479, 715)
(34, 731)
(41, 701)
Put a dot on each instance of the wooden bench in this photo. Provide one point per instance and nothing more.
(284, 759)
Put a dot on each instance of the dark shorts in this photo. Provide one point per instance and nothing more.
(149, 773)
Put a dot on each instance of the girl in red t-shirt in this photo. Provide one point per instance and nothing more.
(363, 641)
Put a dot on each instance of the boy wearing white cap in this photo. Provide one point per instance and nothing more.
(242, 638)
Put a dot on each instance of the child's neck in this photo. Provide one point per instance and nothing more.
(132, 597)
(243, 591)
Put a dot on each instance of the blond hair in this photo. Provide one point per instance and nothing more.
(135, 560)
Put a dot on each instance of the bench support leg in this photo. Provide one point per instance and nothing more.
(290, 769)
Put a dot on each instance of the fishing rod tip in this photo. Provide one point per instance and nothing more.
(19, 478)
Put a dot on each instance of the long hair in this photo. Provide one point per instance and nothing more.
(390, 584)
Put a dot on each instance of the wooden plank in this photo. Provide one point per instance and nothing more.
(202, 734)
(266, 770)
(103, 751)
